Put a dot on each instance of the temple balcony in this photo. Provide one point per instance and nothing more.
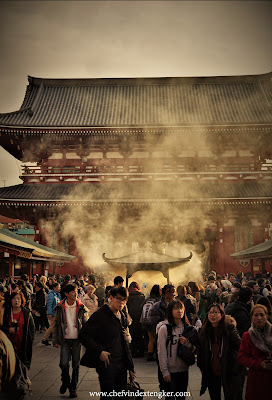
(88, 173)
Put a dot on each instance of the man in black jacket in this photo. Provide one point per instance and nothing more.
(240, 310)
(255, 290)
(158, 311)
(39, 307)
(106, 338)
(135, 305)
(66, 281)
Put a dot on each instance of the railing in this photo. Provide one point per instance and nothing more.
(35, 174)
(120, 169)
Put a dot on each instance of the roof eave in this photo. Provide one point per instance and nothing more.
(35, 81)
(113, 127)
(249, 256)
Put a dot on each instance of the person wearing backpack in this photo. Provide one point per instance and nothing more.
(134, 304)
(173, 370)
(145, 320)
(158, 311)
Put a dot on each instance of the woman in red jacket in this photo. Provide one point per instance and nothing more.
(255, 353)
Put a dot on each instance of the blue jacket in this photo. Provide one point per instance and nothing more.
(53, 299)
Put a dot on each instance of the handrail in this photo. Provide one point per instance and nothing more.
(140, 170)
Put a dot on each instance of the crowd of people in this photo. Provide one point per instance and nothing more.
(223, 323)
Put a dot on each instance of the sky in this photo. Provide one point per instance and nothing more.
(99, 39)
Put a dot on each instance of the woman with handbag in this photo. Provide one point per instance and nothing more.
(217, 356)
(18, 325)
(173, 370)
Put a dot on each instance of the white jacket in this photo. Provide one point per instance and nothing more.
(91, 304)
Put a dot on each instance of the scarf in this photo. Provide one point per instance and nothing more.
(125, 329)
(262, 339)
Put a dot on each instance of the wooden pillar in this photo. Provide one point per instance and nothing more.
(43, 267)
(220, 247)
(251, 267)
(263, 265)
(11, 265)
(30, 272)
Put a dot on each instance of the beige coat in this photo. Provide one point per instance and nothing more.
(91, 304)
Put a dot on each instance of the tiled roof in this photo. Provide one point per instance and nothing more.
(138, 191)
(9, 238)
(144, 102)
(262, 250)
(146, 257)
(147, 260)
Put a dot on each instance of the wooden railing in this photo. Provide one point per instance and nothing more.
(130, 169)
(88, 173)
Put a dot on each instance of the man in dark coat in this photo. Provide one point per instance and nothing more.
(106, 338)
(39, 306)
(255, 290)
(240, 310)
(135, 304)
(66, 281)
(158, 311)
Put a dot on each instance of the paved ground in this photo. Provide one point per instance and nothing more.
(45, 376)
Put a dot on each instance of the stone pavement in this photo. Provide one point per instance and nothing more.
(45, 376)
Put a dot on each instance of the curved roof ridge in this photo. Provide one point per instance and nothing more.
(21, 110)
(36, 81)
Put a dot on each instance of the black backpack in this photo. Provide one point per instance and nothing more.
(168, 339)
(183, 352)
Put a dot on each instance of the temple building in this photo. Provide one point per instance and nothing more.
(262, 252)
(20, 255)
(111, 164)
